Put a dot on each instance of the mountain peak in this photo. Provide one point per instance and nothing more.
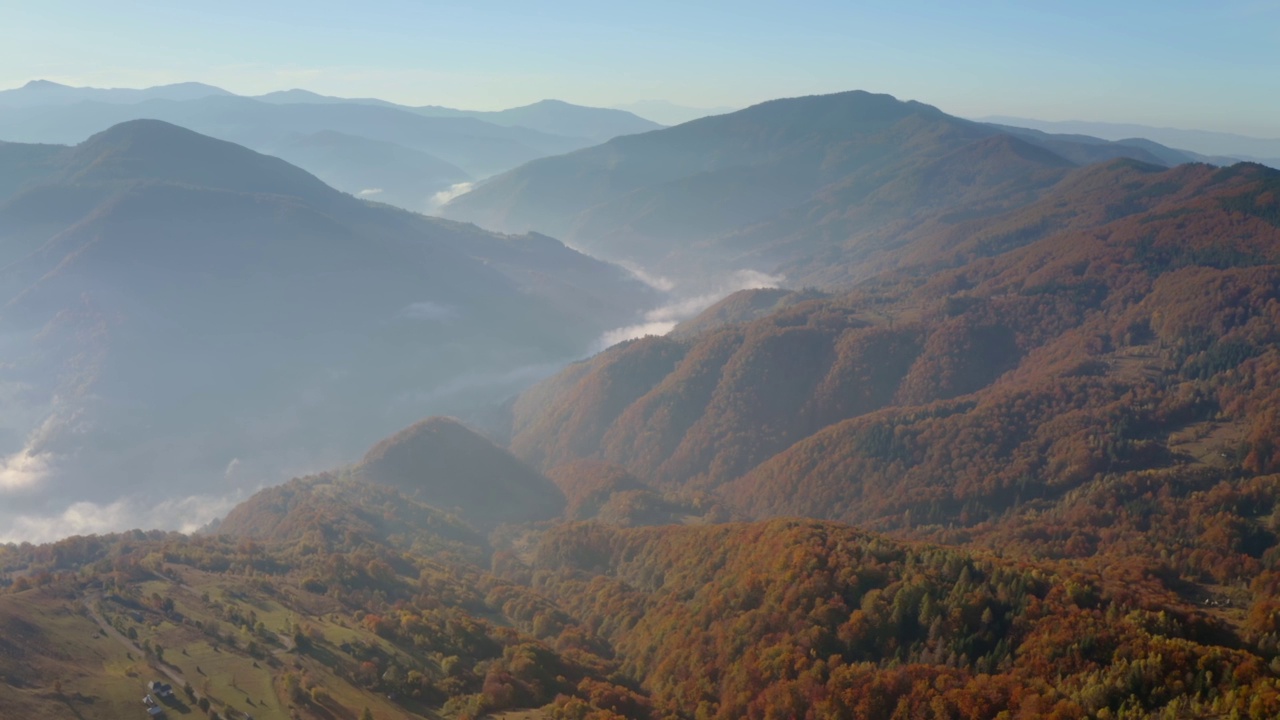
(154, 150)
(857, 104)
(444, 463)
(43, 85)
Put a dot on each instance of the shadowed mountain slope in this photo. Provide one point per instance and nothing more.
(776, 184)
(445, 464)
(175, 304)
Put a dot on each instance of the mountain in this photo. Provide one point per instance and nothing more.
(177, 309)
(554, 117)
(776, 186)
(479, 148)
(668, 113)
(298, 95)
(1085, 381)
(1006, 369)
(448, 465)
(1265, 150)
(558, 118)
(1017, 458)
(1052, 423)
(44, 92)
(1088, 143)
(413, 158)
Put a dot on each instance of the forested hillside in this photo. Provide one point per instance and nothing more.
(1018, 461)
(1090, 379)
(775, 619)
(814, 187)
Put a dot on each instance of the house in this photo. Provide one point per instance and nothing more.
(164, 690)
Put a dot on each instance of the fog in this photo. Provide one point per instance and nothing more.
(688, 299)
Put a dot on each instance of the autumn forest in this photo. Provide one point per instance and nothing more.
(1005, 444)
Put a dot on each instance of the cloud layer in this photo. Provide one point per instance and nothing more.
(87, 518)
(435, 202)
(663, 320)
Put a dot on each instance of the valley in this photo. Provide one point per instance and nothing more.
(999, 442)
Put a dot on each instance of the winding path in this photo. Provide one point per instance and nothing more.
(90, 601)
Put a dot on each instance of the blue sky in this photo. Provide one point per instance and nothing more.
(1209, 65)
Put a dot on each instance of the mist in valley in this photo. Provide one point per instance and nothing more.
(636, 362)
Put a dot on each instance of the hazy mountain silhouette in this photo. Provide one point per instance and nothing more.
(298, 95)
(1208, 143)
(669, 113)
(554, 117)
(44, 92)
(477, 147)
(176, 306)
(559, 118)
(399, 155)
(766, 187)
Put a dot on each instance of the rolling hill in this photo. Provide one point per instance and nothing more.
(448, 465)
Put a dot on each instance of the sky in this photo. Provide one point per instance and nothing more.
(1203, 65)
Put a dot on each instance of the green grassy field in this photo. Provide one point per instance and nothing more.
(57, 664)
(103, 673)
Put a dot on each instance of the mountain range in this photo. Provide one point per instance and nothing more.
(669, 113)
(1241, 147)
(804, 187)
(45, 92)
(409, 154)
(1002, 445)
(177, 306)
(861, 406)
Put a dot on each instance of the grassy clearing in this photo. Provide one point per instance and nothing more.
(222, 669)
(49, 644)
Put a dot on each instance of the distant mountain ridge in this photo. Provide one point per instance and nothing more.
(669, 113)
(1241, 147)
(176, 306)
(44, 92)
(403, 155)
(792, 186)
